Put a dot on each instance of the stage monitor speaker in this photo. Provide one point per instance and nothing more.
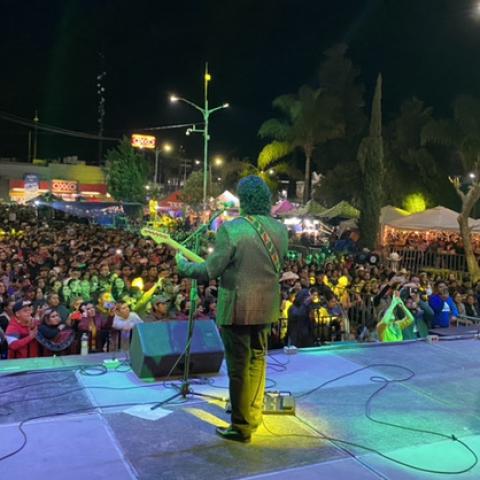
(156, 346)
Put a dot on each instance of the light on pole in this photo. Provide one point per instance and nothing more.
(167, 148)
(206, 112)
(217, 162)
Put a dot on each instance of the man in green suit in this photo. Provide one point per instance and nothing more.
(248, 256)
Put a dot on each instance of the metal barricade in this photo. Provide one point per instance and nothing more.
(415, 260)
(362, 315)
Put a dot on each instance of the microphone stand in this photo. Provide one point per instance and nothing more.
(185, 387)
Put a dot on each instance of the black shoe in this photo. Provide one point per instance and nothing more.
(229, 433)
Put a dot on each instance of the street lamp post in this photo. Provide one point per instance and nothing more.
(218, 162)
(206, 112)
(167, 148)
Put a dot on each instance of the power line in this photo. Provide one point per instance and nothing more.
(73, 133)
(50, 128)
(168, 127)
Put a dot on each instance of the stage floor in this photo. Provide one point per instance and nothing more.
(97, 427)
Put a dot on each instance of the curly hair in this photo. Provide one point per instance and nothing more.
(255, 196)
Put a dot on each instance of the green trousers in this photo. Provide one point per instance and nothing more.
(245, 350)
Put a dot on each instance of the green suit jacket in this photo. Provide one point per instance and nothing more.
(249, 291)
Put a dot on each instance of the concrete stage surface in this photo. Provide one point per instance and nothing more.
(79, 425)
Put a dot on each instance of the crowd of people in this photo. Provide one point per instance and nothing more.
(440, 243)
(63, 282)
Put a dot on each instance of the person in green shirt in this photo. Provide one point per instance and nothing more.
(390, 329)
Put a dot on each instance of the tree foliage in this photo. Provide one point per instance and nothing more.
(343, 182)
(192, 192)
(307, 119)
(127, 173)
(370, 159)
(340, 78)
(411, 166)
(462, 132)
(462, 135)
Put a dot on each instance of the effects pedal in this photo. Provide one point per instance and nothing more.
(290, 350)
(279, 403)
(111, 363)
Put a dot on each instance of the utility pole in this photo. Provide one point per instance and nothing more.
(101, 105)
(35, 135)
(206, 112)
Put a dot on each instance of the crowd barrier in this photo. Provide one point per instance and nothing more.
(412, 260)
(415, 260)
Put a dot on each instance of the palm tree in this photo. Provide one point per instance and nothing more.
(462, 133)
(268, 167)
(308, 118)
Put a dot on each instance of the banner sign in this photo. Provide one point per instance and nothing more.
(31, 185)
(64, 186)
(143, 141)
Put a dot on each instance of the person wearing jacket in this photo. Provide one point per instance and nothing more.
(248, 262)
(443, 307)
(300, 332)
(21, 332)
(95, 325)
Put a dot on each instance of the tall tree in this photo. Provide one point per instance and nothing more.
(412, 166)
(462, 134)
(339, 76)
(127, 173)
(370, 159)
(469, 199)
(308, 118)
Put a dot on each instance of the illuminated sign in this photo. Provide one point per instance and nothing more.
(143, 141)
(64, 186)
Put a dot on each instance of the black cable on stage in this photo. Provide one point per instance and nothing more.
(385, 383)
(316, 437)
(93, 370)
(70, 412)
(271, 356)
(375, 378)
(20, 387)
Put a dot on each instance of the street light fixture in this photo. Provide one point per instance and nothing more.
(167, 148)
(206, 112)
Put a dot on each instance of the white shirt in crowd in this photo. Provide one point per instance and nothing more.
(120, 323)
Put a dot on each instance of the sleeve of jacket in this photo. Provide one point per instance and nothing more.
(453, 307)
(436, 303)
(216, 262)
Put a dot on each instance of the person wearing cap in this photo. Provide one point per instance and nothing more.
(248, 256)
(21, 332)
(160, 309)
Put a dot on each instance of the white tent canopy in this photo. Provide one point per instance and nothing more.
(228, 197)
(438, 219)
(387, 215)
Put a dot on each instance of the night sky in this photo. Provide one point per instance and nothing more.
(256, 49)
